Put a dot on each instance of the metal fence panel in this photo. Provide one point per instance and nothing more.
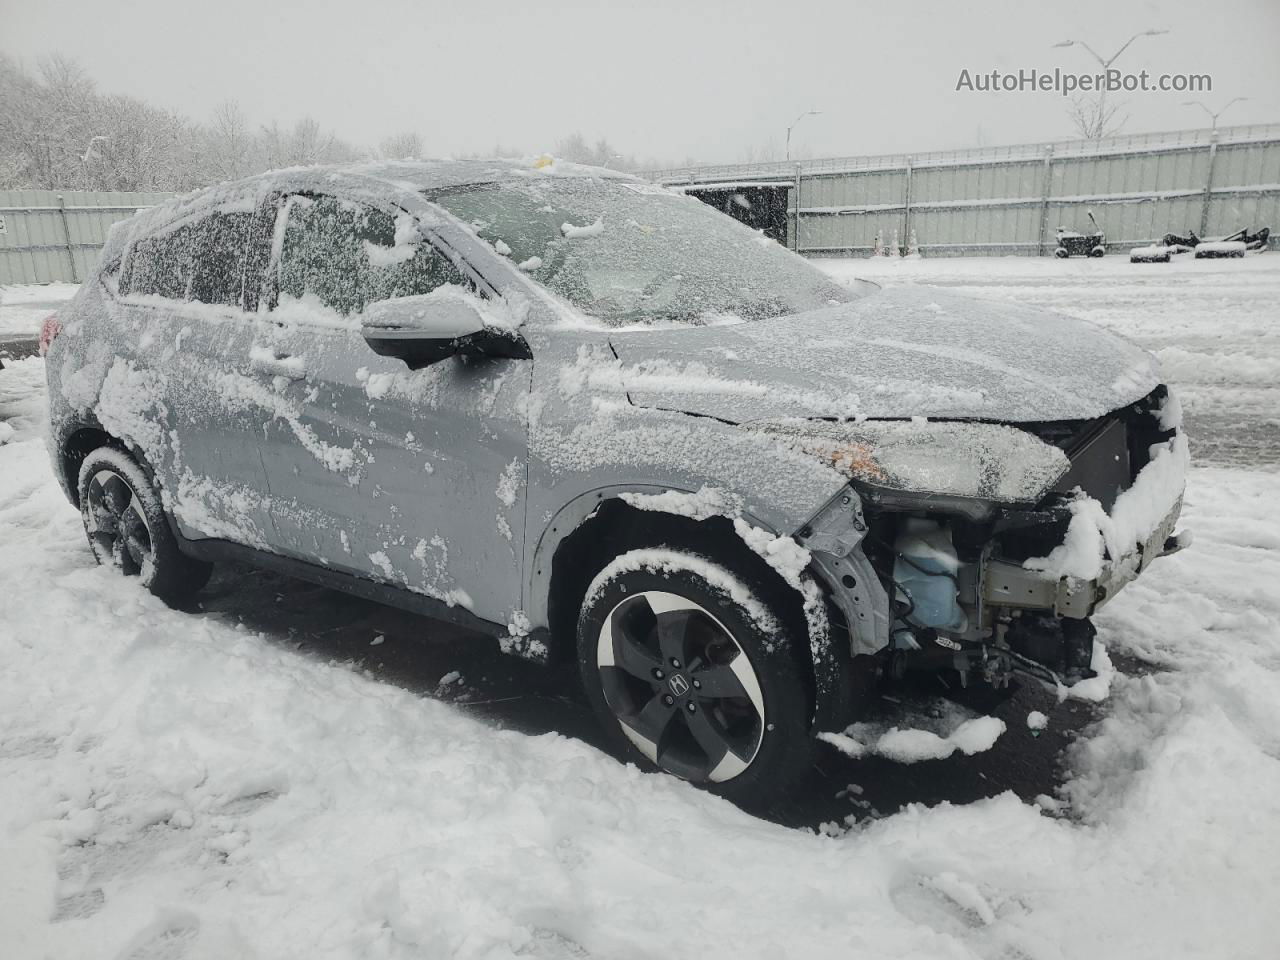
(53, 236)
(1012, 199)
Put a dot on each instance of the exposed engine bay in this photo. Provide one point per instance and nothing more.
(992, 589)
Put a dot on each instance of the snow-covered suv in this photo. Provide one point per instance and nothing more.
(598, 419)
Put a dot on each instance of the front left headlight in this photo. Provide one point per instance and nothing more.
(985, 461)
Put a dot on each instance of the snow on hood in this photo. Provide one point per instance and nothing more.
(902, 352)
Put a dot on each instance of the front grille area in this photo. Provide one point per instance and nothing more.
(1106, 454)
(1099, 462)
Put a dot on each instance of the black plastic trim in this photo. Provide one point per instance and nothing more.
(377, 591)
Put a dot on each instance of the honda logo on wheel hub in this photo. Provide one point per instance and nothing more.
(678, 684)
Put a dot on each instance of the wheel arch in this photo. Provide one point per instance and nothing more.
(596, 527)
(81, 439)
(604, 511)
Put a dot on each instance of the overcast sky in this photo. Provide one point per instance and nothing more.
(701, 79)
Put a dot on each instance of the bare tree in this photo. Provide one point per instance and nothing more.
(1094, 118)
(58, 132)
(229, 143)
(574, 147)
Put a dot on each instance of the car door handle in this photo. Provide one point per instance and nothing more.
(267, 361)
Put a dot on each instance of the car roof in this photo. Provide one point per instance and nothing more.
(353, 179)
(440, 174)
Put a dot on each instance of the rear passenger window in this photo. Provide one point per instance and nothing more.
(348, 255)
(201, 261)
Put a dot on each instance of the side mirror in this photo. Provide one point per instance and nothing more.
(432, 327)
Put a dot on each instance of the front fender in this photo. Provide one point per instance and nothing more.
(575, 512)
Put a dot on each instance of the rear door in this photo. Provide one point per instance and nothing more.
(414, 478)
(180, 293)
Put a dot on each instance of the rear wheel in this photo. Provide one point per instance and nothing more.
(695, 675)
(127, 528)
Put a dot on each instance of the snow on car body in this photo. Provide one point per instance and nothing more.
(476, 389)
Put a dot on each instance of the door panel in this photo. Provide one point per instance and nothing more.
(411, 477)
(180, 295)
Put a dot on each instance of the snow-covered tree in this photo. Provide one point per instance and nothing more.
(402, 146)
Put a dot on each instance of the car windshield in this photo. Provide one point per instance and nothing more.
(630, 254)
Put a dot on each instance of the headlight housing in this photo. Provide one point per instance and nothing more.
(986, 461)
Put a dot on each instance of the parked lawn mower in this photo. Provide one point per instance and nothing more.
(1073, 244)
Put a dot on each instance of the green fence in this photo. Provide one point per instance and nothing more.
(1011, 200)
(47, 236)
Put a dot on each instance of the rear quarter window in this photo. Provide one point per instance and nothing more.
(201, 261)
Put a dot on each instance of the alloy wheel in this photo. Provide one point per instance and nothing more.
(117, 526)
(682, 688)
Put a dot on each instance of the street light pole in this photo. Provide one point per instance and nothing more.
(1106, 65)
(1214, 116)
(807, 113)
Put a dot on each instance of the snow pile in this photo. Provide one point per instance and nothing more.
(1098, 687)
(376, 385)
(572, 232)
(264, 359)
(1156, 253)
(404, 249)
(782, 553)
(704, 503)
(914, 745)
(130, 405)
(1221, 248)
(24, 307)
(665, 561)
(1136, 514)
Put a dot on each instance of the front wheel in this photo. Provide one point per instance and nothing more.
(695, 674)
(128, 530)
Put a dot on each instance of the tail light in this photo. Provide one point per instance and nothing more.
(48, 330)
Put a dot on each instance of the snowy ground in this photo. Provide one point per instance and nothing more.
(227, 782)
(23, 307)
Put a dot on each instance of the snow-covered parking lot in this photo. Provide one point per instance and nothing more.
(212, 783)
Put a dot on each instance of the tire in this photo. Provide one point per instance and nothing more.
(128, 530)
(1061, 253)
(694, 675)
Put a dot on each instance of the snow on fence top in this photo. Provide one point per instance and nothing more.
(1134, 143)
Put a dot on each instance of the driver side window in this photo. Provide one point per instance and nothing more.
(348, 255)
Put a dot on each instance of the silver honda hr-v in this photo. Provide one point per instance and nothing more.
(597, 419)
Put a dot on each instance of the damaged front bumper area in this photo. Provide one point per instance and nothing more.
(1012, 585)
(930, 580)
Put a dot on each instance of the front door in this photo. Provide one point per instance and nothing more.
(415, 478)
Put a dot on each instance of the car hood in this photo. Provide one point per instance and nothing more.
(903, 352)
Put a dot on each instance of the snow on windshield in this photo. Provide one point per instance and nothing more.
(632, 255)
